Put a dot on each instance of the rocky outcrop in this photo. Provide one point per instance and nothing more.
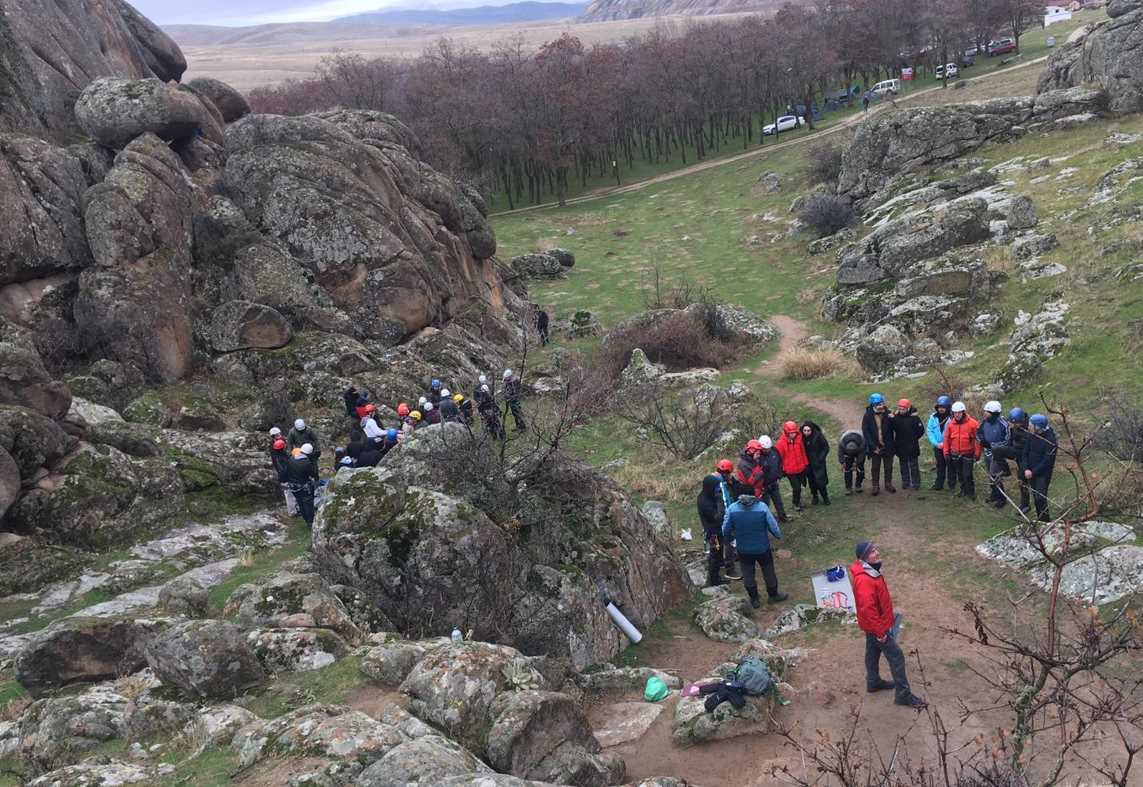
(115, 110)
(435, 559)
(1108, 56)
(24, 380)
(1035, 340)
(726, 618)
(231, 104)
(242, 325)
(83, 650)
(53, 50)
(895, 143)
(540, 265)
(33, 440)
(133, 303)
(205, 659)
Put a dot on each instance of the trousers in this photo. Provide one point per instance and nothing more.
(910, 472)
(1040, 484)
(880, 460)
(773, 496)
(852, 465)
(895, 657)
(766, 561)
(943, 468)
(961, 467)
(797, 480)
(304, 494)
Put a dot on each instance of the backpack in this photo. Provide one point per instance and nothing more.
(754, 676)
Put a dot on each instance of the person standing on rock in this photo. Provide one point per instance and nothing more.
(792, 450)
(851, 457)
(369, 426)
(877, 429)
(432, 414)
(486, 405)
(435, 387)
(817, 451)
(448, 408)
(907, 432)
(993, 434)
(464, 407)
(513, 392)
(279, 456)
(351, 397)
(749, 523)
(935, 431)
(876, 618)
(542, 321)
(300, 475)
(1039, 462)
(962, 448)
(301, 435)
(713, 500)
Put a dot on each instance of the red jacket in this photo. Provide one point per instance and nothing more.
(794, 459)
(749, 474)
(871, 596)
(960, 437)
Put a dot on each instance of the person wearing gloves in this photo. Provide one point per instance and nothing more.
(791, 448)
(713, 500)
(1039, 461)
(907, 432)
(962, 448)
(302, 434)
(749, 523)
(876, 618)
(935, 431)
(817, 451)
(877, 429)
(994, 433)
(851, 457)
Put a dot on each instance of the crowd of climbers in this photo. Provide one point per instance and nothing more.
(735, 502)
(295, 456)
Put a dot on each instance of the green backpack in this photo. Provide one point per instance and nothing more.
(754, 676)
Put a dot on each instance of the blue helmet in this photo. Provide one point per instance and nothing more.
(1039, 420)
(391, 433)
(944, 401)
(435, 384)
(876, 398)
(1017, 416)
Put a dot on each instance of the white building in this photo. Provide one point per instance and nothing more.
(1056, 13)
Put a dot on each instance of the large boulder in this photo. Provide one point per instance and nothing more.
(289, 599)
(115, 110)
(31, 439)
(539, 265)
(242, 325)
(1108, 56)
(1036, 339)
(133, 304)
(230, 103)
(53, 50)
(329, 731)
(208, 659)
(519, 558)
(83, 650)
(423, 761)
(367, 219)
(24, 380)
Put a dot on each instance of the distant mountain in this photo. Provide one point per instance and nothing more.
(608, 10)
(527, 11)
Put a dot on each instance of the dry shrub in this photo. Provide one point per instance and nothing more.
(826, 214)
(1121, 435)
(805, 364)
(825, 164)
(132, 686)
(1120, 490)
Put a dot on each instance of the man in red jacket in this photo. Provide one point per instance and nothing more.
(791, 447)
(875, 617)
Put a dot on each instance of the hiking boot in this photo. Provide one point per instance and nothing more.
(732, 575)
(826, 500)
(857, 490)
(754, 602)
(1025, 510)
(814, 501)
(999, 503)
(777, 598)
(799, 508)
(783, 519)
(876, 491)
(890, 488)
(912, 702)
(848, 492)
(881, 685)
(937, 487)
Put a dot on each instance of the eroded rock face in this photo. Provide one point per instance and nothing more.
(231, 104)
(115, 110)
(1108, 55)
(24, 381)
(133, 304)
(242, 325)
(423, 761)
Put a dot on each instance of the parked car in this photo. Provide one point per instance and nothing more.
(785, 123)
(1001, 46)
(887, 86)
(949, 68)
(966, 60)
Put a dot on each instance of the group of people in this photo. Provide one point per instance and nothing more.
(295, 456)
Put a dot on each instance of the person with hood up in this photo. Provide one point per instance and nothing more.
(851, 457)
(876, 618)
(749, 523)
(935, 431)
(1039, 462)
(431, 414)
(300, 475)
(907, 432)
(513, 392)
(962, 448)
(301, 435)
(791, 448)
(713, 500)
(877, 429)
(448, 408)
(817, 451)
(994, 434)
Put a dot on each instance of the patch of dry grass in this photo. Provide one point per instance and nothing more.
(807, 364)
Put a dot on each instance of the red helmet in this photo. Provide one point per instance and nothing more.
(279, 444)
(724, 466)
(789, 426)
(904, 404)
(402, 409)
(753, 446)
(370, 408)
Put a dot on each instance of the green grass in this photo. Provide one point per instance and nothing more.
(262, 564)
(292, 690)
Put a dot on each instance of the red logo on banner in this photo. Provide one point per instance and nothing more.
(836, 600)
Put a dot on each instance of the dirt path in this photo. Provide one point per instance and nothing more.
(846, 412)
(702, 166)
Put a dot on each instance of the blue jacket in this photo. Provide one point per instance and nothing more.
(1039, 453)
(993, 434)
(750, 523)
(935, 429)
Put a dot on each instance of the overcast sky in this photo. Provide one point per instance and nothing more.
(254, 12)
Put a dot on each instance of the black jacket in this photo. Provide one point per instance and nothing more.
(296, 439)
(278, 460)
(513, 389)
(875, 438)
(817, 451)
(351, 397)
(772, 466)
(466, 410)
(711, 505)
(1040, 452)
(298, 471)
(485, 401)
(907, 433)
(449, 410)
(851, 443)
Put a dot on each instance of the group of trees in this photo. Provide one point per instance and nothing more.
(522, 124)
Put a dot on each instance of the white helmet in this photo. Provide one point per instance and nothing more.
(428, 406)
(992, 407)
(299, 424)
(482, 379)
(507, 374)
(445, 393)
(958, 407)
(766, 442)
(307, 449)
(275, 431)
(484, 388)
(422, 400)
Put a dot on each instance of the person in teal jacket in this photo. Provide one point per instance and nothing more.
(935, 431)
(750, 524)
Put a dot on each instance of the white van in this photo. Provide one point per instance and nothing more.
(887, 86)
